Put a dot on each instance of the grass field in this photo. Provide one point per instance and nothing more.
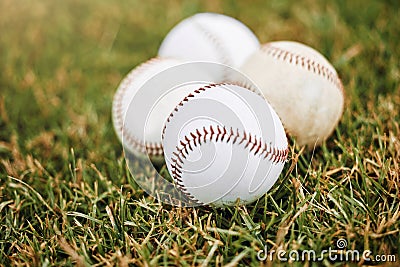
(66, 196)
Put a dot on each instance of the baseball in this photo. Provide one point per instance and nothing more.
(124, 95)
(301, 85)
(224, 144)
(210, 37)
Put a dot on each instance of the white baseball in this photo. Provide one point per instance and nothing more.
(126, 91)
(210, 37)
(302, 87)
(224, 143)
(145, 98)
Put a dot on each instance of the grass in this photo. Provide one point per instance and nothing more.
(67, 198)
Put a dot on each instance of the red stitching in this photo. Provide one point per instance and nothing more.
(317, 68)
(153, 149)
(225, 59)
(186, 99)
(247, 85)
(276, 155)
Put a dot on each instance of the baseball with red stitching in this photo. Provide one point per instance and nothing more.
(302, 87)
(224, 144)
(210, 37)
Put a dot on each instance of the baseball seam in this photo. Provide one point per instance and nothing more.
(305, 63)
(202, 89)
(247, 85)
(225, 59)
(194, 139)
(152, 148)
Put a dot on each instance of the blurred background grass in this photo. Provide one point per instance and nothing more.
(61, 62)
